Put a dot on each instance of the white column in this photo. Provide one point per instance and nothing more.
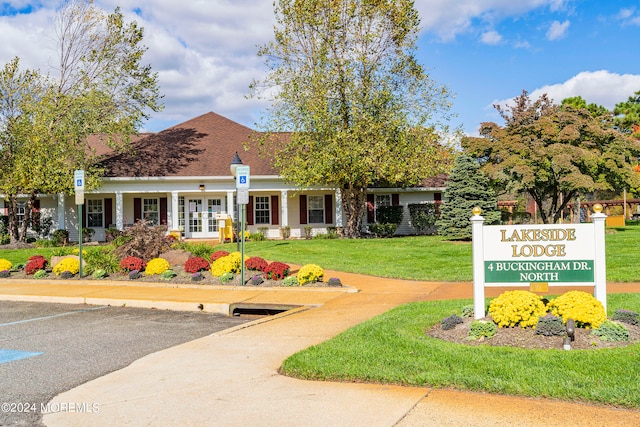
(600, 265)
(478, 263)
(119, 211)
(173, 215)
(61, 211)
(230, 206)
(284, 208)
(338, 208)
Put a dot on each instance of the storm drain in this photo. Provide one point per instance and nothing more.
(258, 310)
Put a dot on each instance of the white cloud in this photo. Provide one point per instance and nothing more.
(449, 18)
(599, 87)
(491, 37)
(557, 30)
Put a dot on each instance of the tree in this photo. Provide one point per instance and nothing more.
(578, 103)
(358, 106)
(627, 115)
(553, 153)
(467, 188)
(101, 88)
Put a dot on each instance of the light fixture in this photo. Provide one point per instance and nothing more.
(234, 164)
(201, 187)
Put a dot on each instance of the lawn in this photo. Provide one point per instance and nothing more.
(393, 349)
(424, 257)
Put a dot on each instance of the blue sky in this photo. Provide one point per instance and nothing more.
(485, 51)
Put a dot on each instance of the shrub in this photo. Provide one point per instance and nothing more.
(143, 241)
(550, 325)
(167, 274)
(625, 316)
(67, 264)
(580, 306)
(195, 264)
(40, 274)
(310, 273)
(217, 255)
(290, 281)
(518, 307)
(4, 274)
(203, 250)
(156, 266)
(308, 232)
(134, 274)
(76, 251)
(99, 274)
(226, 278)
(256, 263)
(5, 264)
(285, 232)
(276, 271)
(60, 237)
(482, 328)
(423, 216)
(451, 322)
(256, 237)
(390, 214)
(101, 258)
(131, 263)
(227, 264)
(611, 331)
(467, 311)
(35, 263)
(383, 230)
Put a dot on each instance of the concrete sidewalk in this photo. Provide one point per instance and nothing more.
(231, 379)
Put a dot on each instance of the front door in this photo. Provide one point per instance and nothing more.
(202, 223)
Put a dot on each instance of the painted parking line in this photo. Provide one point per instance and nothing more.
(12, 355)
(17, 322)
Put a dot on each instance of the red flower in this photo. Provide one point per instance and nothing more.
(276, 271)
(256, 263)
(218, 254)
(36, 262)
(131, 263)
(195, 264)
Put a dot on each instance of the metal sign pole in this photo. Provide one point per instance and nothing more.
(244, 208)
(80, 238)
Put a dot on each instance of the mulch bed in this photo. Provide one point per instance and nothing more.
(526, 338)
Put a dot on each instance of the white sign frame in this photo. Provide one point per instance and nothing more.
(508, 245)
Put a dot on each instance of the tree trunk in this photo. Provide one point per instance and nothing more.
(12, 212)
(353, 203)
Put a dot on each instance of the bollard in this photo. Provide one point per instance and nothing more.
(571, 334)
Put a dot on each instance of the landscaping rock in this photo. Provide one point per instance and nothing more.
(176, 257)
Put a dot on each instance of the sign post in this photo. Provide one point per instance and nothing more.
(78, 183)
(242, 188)
(538, 256)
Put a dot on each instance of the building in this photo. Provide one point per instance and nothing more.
(181, 178)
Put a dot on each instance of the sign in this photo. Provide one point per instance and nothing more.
(538, 256)
(78, 180)
(553, 253)
(78, 184)
(243, 197)
(242, 177)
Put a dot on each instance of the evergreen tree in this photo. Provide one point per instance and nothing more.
(467, 188)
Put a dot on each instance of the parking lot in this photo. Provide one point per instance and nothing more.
(46, 349)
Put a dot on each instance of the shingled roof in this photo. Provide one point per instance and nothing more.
(203, 146)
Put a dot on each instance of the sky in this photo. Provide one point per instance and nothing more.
(485, 51)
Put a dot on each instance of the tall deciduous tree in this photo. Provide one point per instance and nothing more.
(360, 109)
(100, 86)
(627, 115)
(554, 153)
(467, 188)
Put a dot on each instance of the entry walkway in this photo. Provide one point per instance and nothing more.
(231, 378)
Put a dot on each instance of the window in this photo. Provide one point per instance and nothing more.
(151, 211)
(181, 213)
(22, 207)
(95, 213)
(262, 211)
(214, 207)
(315, 209)
(382, 200)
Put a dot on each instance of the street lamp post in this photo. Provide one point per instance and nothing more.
(234, 168)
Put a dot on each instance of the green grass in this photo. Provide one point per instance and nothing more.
(393, 349)
(425, 257)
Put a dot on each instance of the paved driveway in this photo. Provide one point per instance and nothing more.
(46, 349)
